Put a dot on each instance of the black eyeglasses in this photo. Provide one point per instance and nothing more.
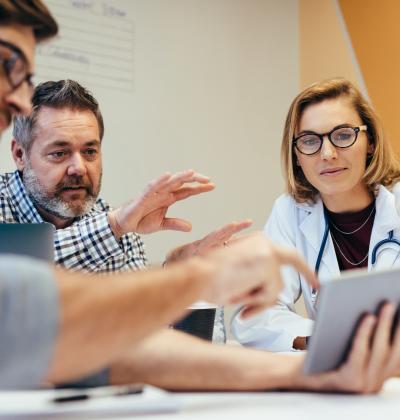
(15, 65)
(342, 137)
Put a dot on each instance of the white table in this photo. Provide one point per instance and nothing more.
(289, 406)
(260, 405)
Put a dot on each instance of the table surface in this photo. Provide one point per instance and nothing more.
(241, 405)
(287, 405)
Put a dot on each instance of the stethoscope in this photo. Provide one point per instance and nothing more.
(375, 250)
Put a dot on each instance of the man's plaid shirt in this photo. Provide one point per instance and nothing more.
(87, 245)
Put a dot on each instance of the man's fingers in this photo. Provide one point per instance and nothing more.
(158, 183)
(186, 192)
(225, 233)
(185, 177)
(230, 229)
(258, 297)
(393, 367)
(247, 297)
(252, 310)
(181, 225)
(383, 328)
(264, 293)
(169, 182)
(291, 257)
(360, 351)
(381, 345)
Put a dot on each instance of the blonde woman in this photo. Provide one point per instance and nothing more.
(337, 212)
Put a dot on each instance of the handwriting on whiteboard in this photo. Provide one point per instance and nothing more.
(94, 46)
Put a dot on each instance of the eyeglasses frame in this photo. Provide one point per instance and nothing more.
(7, 63)
(329, 134)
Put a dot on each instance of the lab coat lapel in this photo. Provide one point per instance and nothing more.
(386, 220)
(312, 228)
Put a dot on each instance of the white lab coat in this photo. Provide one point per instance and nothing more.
(302, 225)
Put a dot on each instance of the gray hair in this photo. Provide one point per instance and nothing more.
(58, 95)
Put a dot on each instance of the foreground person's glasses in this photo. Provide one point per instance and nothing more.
(14, 65)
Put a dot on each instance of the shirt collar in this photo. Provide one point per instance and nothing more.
(25, 209)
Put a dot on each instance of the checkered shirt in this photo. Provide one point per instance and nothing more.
(87, 245)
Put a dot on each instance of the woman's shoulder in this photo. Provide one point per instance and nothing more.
(286, 216)
(284, 201)
(287, 203)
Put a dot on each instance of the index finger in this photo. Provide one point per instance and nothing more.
(157, 183)
(234, 227)
(291, 257)
(177, 180)
(225, 232)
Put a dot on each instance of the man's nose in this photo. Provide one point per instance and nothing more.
(328, 150)
(77, 165)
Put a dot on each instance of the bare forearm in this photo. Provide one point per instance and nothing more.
(102, 316)
(173, 360)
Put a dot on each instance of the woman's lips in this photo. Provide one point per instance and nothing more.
(332, 171)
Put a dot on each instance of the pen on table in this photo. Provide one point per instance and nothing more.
(100, 392)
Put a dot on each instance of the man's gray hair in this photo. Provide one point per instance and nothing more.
(59, 95)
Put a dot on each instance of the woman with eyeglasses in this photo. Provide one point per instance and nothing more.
(338, 211)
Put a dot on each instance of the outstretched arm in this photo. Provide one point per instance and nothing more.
(102, 317)
(177, 361)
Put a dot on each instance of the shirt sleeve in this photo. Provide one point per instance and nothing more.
(90, 246)
(29, 316)
(86, 245)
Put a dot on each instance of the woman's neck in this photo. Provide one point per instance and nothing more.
(350, 201)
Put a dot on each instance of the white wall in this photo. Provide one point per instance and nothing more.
(213, 80)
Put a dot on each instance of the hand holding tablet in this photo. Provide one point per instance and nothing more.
(342, 314)
(373, 357)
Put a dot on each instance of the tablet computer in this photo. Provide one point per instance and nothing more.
(342, 304)
(34, 240)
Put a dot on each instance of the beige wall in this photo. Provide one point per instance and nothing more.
(324, 48)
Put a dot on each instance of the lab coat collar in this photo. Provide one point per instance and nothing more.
(313, 227)
(386, 216)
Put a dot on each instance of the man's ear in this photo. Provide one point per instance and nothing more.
(18, 154)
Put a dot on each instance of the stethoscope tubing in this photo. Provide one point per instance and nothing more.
(374, 254)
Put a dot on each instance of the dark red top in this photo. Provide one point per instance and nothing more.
(353, 246)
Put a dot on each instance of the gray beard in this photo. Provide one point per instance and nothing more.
(53, 205)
